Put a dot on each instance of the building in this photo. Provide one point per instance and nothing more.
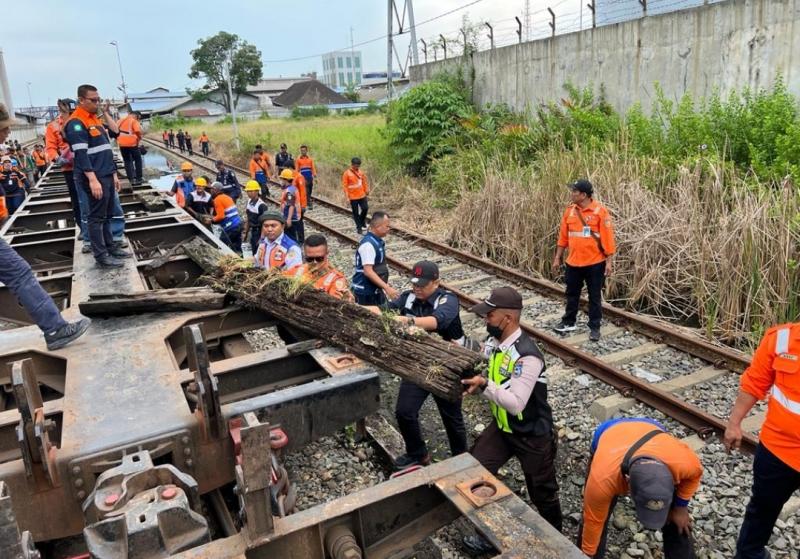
(341, 69)
(617, 11)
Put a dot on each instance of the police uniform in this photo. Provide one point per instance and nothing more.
(517, 372)
(443, 306)
(371, 251)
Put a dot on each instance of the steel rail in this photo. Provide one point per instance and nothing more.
(703, 423)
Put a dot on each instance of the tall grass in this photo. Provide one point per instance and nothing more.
(696, 243)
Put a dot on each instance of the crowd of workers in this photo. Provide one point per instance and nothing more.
(635, 456)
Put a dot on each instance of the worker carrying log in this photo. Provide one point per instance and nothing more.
(427, 305)
(516, 387)
(774, 370)
(662, 473)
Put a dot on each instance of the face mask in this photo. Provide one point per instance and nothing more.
(494, 331)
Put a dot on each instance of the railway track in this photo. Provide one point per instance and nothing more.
(640, 337)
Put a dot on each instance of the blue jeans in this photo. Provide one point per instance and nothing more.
(84, 199)
(17, 275)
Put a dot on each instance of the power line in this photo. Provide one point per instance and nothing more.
(376, 39)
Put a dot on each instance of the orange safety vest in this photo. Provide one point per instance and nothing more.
(333, 282)
(129, 130)
(775, 370)
(38, 158)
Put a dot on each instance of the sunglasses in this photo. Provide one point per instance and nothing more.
(315, 259)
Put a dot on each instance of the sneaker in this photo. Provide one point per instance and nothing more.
(119, 253)
(406, 461)
(86, 249)
(108, 262)
(66, 334)
(594, 334)
(476, 545)
(562, 327)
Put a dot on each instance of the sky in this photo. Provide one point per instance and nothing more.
(64, 47)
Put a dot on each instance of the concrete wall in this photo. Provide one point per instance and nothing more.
(728, 45)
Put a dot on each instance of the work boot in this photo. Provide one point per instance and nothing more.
(119, 253)
(66, 334)
(594, 334)
(562, 327)
(476, 545)
(108, 262)
(406, 461)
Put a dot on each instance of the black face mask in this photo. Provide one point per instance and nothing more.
(494, 331)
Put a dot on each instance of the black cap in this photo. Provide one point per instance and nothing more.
(652, 488)
(499, 298)
(272, 216)
(582, 185)
(424, 272)
(356, 161)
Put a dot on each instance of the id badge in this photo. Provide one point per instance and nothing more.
(587, 231)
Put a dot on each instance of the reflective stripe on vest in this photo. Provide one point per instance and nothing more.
(501, 359)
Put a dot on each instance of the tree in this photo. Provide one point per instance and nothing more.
(210, 63)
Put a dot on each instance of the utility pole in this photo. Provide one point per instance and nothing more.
(121, 75)
(228, 64)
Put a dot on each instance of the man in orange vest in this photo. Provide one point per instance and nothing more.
(587, 233)
(39, 161)
(130, 135)
(636, 455)
(276, 249)
(318, 271)
(774, 370)
(203, 139)
(356, 188)
(57, 151)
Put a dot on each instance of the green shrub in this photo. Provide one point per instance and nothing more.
(306, 112)
(420, 123)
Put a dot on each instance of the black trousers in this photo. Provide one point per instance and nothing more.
(409, 401)
(204, 145)
(360, 208)
(132, 158)
(536, 455)
(100, 213)
(773, 484)
(594, 277)
(73, 197)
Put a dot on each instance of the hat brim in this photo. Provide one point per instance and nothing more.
(420, 282)
(481, 309)
(652, 519)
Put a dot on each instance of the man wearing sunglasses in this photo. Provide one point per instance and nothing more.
(318, 271)
(95, 172)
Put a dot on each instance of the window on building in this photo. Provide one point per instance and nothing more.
(358, 62)
(340, 62)
(341, 78)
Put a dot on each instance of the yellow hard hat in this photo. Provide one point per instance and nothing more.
(252, 186)
(200, 181)
(186, 166)
(287, 174)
